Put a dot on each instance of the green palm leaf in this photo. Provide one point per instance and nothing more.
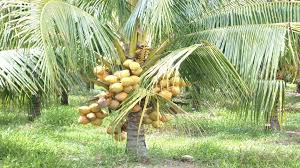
(17, 70)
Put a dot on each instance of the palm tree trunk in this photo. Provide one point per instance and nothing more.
(136, 144)
(298, 86)
(35, 110)
(64, 99)
(274, 121)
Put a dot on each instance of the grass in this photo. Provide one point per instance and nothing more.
(213, 139)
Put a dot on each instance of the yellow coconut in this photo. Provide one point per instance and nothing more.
(99, 70)
(101, 114)
(91, 116)
(134, 66)
(137, 72)
(102, 77)
(83, 110)
(103, 102)
(83, 120)
(156, 89)
(164, 83)
(97, 122)
(121, 96)
(127, 81)
(175, 81)
(111, 79)
(135, 79)
(157, 124)
(175, 90)
(182, 83)
(136, 108)
(120, 137)
(117, 74)
(127, 62)
(135, 87)
(124, 73)
(114, 104)
(95, 107)
(116, 87)
(166, 117)
(128, 89)
(154, 115)
(166, 94)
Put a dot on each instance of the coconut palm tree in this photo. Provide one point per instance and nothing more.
(229, 48)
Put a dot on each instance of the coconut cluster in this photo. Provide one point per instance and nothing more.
(120, 84)
(156, 119)
(169, 87)
(91, 114)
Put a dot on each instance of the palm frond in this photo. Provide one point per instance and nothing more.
(18, 70)
(57, 25)
(161, 18)
(256, 52)
(249, 13)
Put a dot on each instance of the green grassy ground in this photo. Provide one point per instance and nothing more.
(55, 140)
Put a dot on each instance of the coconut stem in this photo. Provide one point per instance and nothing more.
(136, 145)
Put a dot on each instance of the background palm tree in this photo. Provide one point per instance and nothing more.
(229, 48)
